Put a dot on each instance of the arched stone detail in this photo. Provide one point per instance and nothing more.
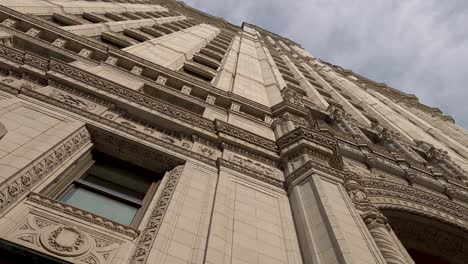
(399, 205)
(436, 240)
(386, 195)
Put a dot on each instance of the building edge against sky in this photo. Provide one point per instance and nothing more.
(150, 132)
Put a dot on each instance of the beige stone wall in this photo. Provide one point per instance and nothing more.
(329, 228)
(183, 234)
(31, 131)
(251, 223)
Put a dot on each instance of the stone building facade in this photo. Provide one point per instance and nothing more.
(139, 131)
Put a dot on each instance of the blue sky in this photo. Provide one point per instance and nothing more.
(416, 46)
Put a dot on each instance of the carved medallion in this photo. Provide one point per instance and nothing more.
(65, 241)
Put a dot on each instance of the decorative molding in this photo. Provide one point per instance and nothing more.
(255, 156)
(381, 188)
(137, 97)
(148, 236)
(313, 136)
(74, 243)
(312, 165)
(22, 182)
(253, 173)
(83, 215)
(245, 135)
(121, 127)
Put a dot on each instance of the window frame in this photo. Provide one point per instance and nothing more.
(74, 177)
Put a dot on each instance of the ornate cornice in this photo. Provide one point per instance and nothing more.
(245, 135)
(315, 137)
(127, 129)
(20, 183)
(249, 154)
(83, 215)
(299, 172)
(131, 95)
(413, 197)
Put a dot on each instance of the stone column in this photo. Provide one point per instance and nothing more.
(374, 220)
(380, 231)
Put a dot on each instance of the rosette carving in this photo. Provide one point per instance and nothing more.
(65, 241)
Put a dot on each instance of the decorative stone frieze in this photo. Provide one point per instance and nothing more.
(20, 183)
(245, 135)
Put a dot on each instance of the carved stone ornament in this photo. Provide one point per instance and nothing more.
(65, 241)
(75, 101)
(59, 42)
(150, 232)
(253, 165)
(186, 89)
(161, 80)
(292, 97)
(111, 60)
(85, 53)
(336, 115)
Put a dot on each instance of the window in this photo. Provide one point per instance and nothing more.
(114, 189)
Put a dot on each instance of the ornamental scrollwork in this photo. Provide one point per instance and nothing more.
(148, 236)
(75, 101)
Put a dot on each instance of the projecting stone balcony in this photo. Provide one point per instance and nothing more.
(201, 70)
(225, 38)
(69, 20)
(116, 17)
(213, 54)
(117, 39)
(172, 26)
(164, 29)
(132, 16)
(217, 41)
(215, 48)
(205, 60)
(144, 15)
(96, 18)
(138, 34)
(153, 31)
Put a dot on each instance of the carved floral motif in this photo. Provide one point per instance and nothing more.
(65, 241)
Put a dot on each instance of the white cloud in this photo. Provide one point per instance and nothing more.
(417, 46)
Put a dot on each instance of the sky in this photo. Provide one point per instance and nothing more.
(416, 46)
